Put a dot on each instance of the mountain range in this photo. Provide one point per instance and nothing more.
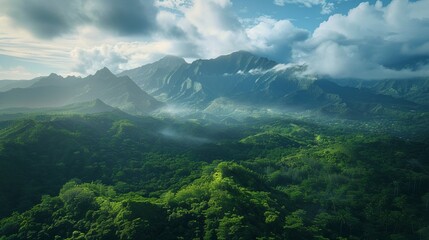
(240, 76)
(414, 89)
(55, 91)
(222, 85)
(241, 79)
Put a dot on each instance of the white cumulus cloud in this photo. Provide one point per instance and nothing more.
(121, 56)
(371, 41)
(275, 38)
(203, 29)
(326, 7)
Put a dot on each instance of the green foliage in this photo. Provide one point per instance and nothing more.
(105, 177)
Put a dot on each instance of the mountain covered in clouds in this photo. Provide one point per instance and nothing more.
(55, 91)
(243, 79)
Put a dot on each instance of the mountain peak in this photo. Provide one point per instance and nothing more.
(232, 63)
(243, 53)
(52, 75)
(170, 60)
(52, 79)
(98, 102)
(104, 72)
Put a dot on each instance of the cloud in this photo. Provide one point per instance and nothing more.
(275, 38)
(183, 136)
(327, 7)
(82, 30)
(371, 41)
(18, 73)
(18, 44)
(205, 29)
(122, 55)
(173, 4)
(89, 60)
(213, 27)
(52, 18)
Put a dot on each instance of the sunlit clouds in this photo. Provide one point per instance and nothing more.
(78, 37)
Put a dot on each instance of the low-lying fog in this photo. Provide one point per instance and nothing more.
(180, 136)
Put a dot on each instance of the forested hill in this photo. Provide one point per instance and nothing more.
(107, 176)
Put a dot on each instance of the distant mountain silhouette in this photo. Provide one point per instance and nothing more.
(56, 91)
(91, 107)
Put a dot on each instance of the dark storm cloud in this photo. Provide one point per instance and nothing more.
(125, 17)
(51, 18)
(44, 19)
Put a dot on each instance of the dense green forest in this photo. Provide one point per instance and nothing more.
(113, 176)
